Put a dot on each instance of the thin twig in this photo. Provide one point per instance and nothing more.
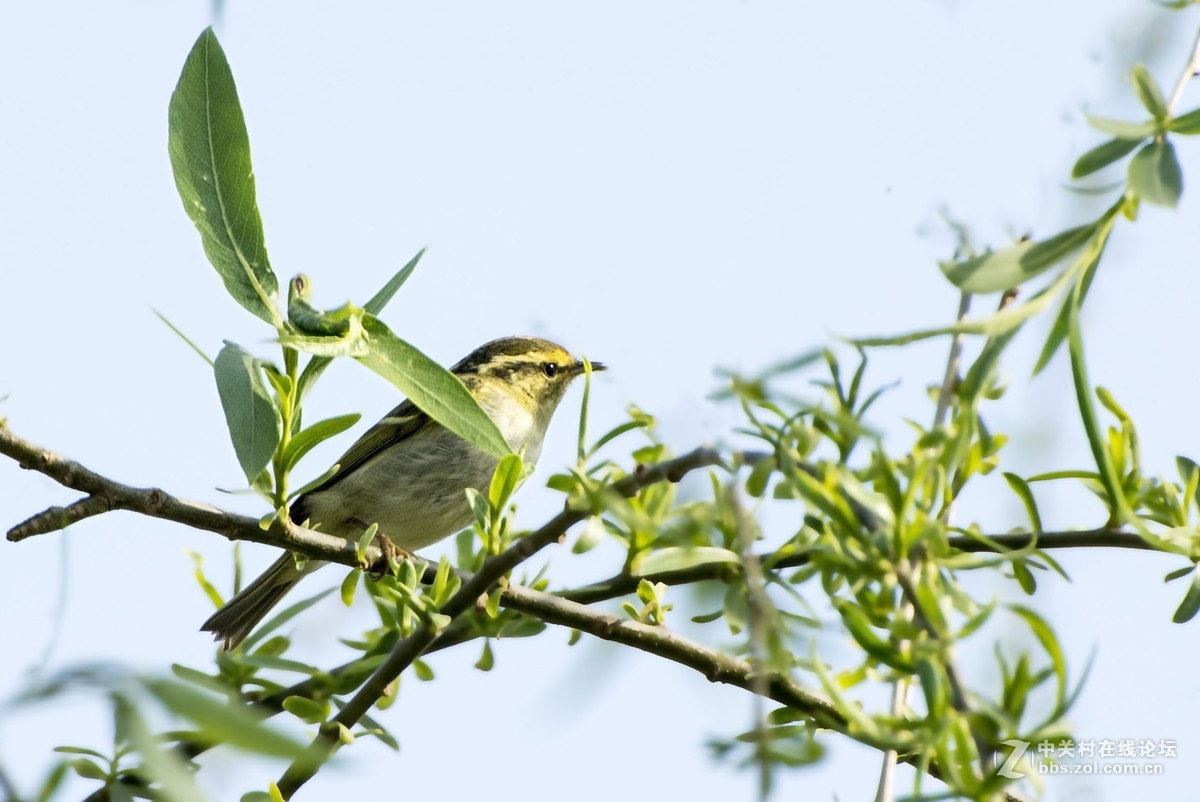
(758, 607)
(58, 518)
(902, 687)
(1190, 71)
(950, 380)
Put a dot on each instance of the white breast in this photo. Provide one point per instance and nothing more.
(515, 422)
(405, 490)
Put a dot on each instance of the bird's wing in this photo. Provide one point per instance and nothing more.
(399, 424)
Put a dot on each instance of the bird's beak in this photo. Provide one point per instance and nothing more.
(577, 368)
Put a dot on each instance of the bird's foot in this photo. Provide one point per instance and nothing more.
(393, 555)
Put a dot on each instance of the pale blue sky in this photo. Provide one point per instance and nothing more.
(664, 186)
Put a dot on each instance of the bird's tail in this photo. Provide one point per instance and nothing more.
(241, 614)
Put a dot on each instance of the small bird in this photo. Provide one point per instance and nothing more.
(409, 474)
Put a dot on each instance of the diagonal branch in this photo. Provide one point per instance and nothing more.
(714, 665)
(478, 586)
(105, 495)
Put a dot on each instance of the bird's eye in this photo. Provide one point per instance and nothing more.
(550, 369)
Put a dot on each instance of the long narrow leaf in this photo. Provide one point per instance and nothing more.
(992, 326)
(316, 366)
(254, 422)
(436, 391)
(222, 721)
(1011, 267)
(281, 619)
(1091, 256)
(210, 156)
(314, 435)
(1087, 410)
(381, 298)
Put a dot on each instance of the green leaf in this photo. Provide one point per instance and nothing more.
(1011, 267)
(1091, 262)
(88, 769)
(54, 780)
(735, 608)
(436, 391)
(1122, 129)
(1087, 411)
(381, 298)
(223, 722)
(281, 619)
(1149, 93)
(254, 423)
(1187, 472)
(860, 628)
(1058, 330)
(364, 541)
(933, 686)
(183, 337)
(1024, 577)
(1045, 635)
(679, 558)
(210, 156)
(994, 325)
(1103, 155)
(79, 750)
(1155, 175)
(1191, 601)
(505, 480)
(316, 366)
(594, 531)
(349, 344)
(1179, 573)
(760, 475)
(314, 435)
(1186, 124)
(486, 660)
(349, 585)
(307, 710)
(479, 508)
(164, 766)
(616, 432)
(1021, 488)
(265, 658)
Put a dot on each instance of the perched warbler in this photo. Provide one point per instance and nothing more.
(409, 474)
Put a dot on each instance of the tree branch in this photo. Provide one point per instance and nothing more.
(714, 665)
(105, 495)
(478, 586)
(624, 583)
(58, 518)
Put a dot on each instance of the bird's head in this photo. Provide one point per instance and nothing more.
(537, 372)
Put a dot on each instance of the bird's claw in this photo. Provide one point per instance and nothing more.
(393, 555)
